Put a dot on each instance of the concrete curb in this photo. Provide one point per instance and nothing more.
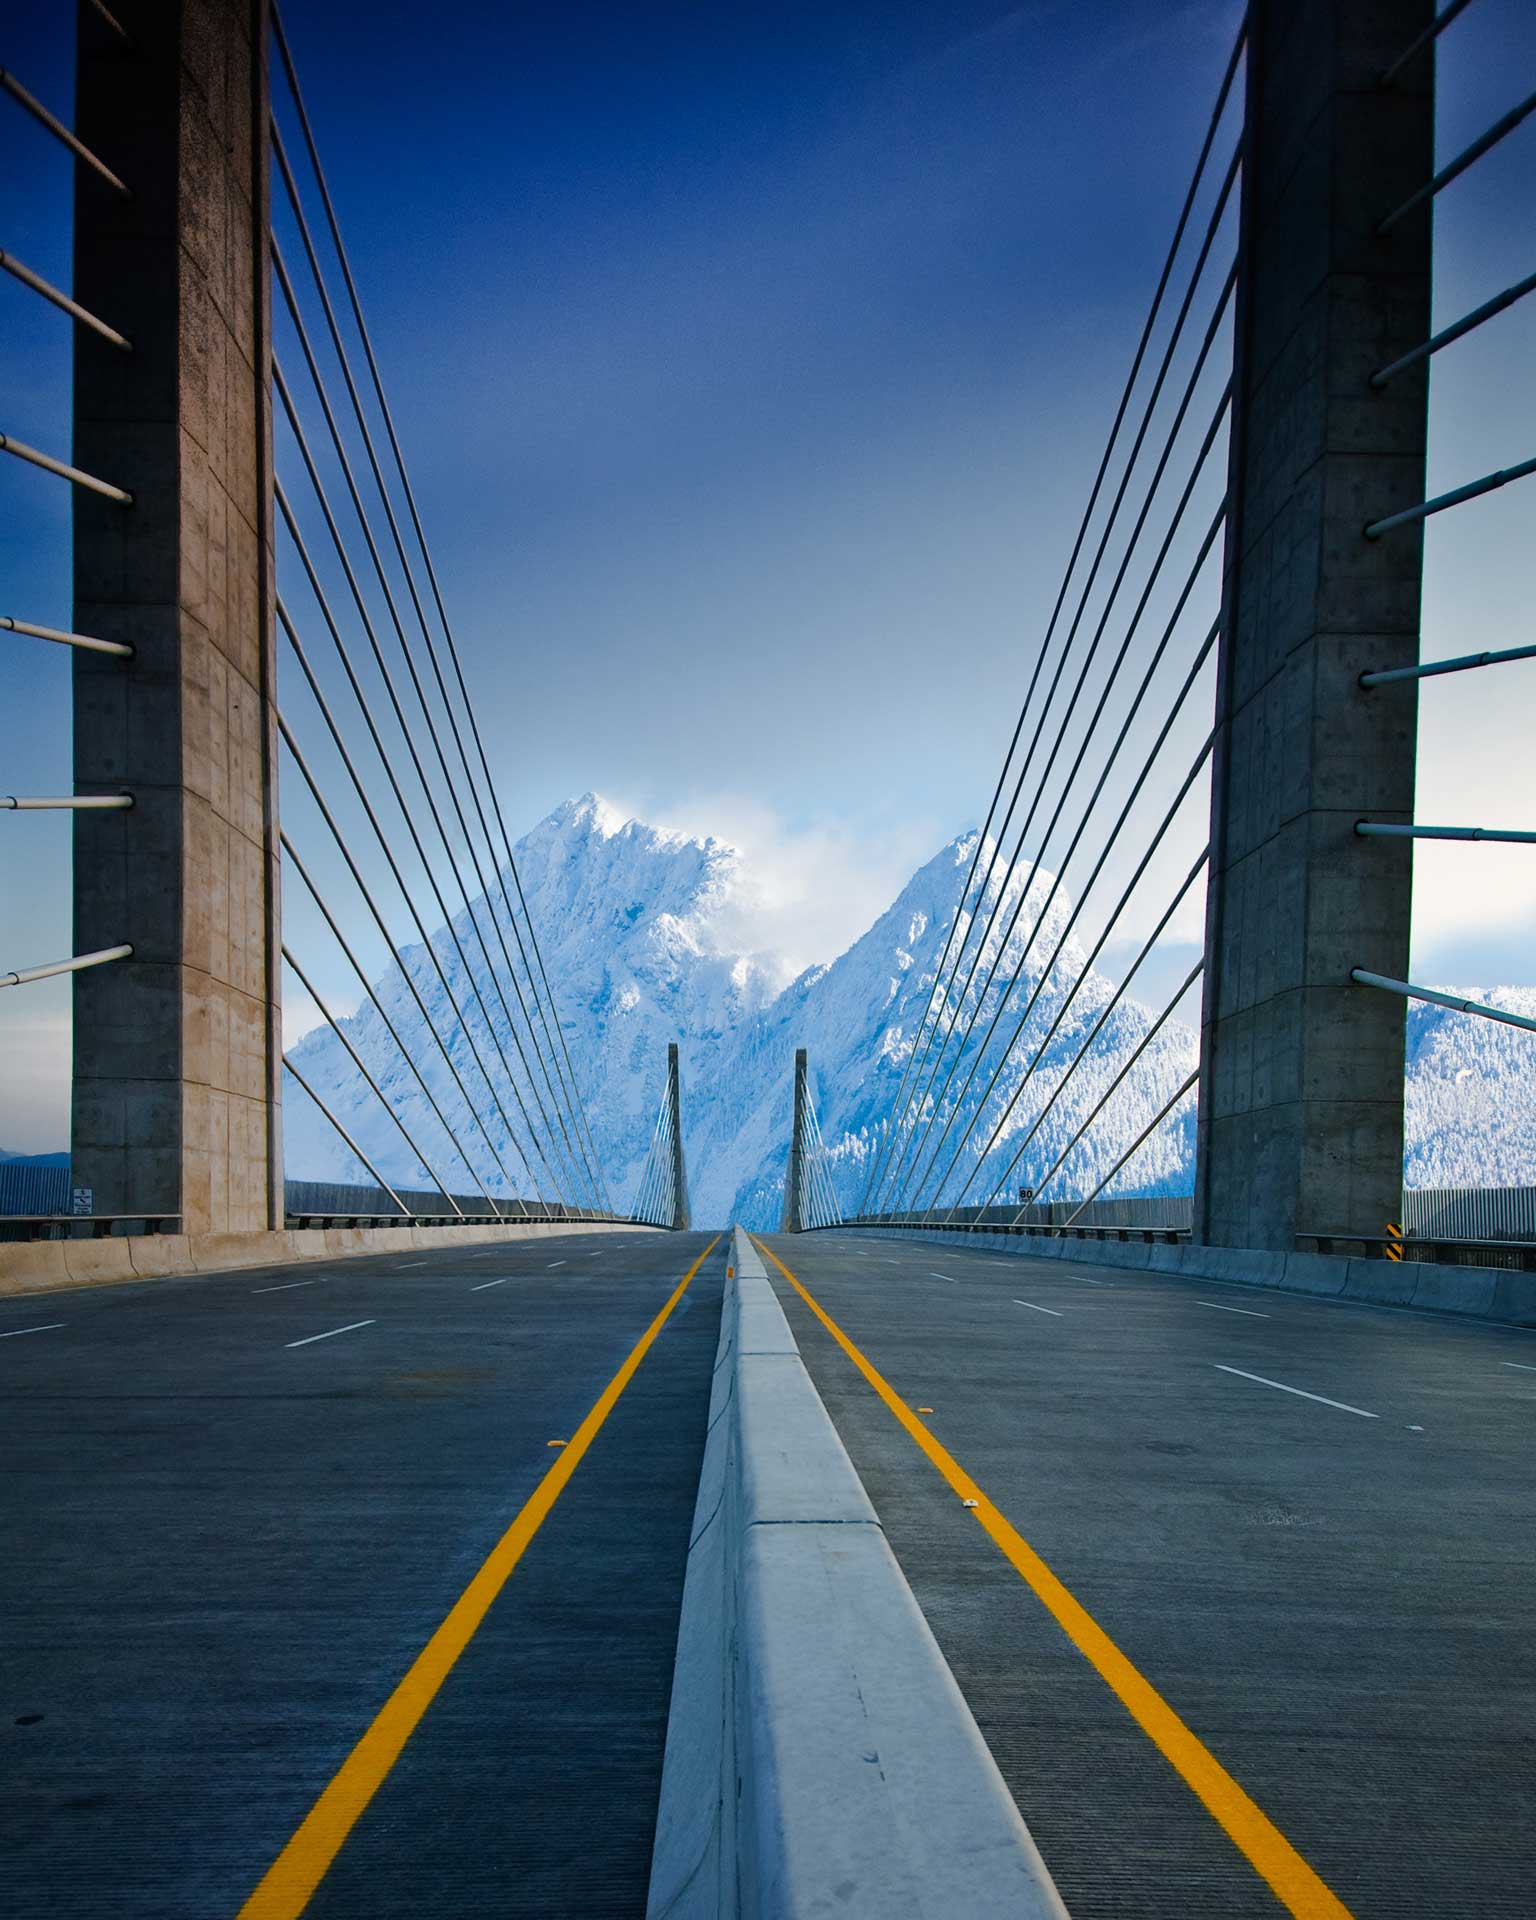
(39, 1266)
(820, 1757)
(1477, 1293)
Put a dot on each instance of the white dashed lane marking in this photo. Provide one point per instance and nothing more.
(1300, 1392)
(351, 1327)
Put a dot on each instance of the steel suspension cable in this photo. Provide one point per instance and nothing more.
(391, 691)
(304, 874)
(660, 1193)
(558, 1033)
(358, 1062)
(384, 1184)
(810, 1190)
(1151, 1034)
(1213, 226)
(1103, 1020)
(881, 1153)
(651, 1168)
(339, 345)
(1135, 1147)
(1223, 92)
(821, 1211)
(1170, 442)
(362, 793)
(368, 896)
(1058, 879)
(358, 508)
(394, 699)
(1130, 888)
(1155, 573)
(831, 1211)
(1432, 32)
(662, 1149)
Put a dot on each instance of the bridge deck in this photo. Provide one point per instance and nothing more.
(233, 1547)
(1340, 1608)
(226, 1550)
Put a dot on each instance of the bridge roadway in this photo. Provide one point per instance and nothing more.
(1341, 1608)
(225, 1549)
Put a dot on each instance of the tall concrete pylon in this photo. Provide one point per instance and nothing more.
(1301, 1076)
(794, 1178)
(178, 1054)
(679, 1171)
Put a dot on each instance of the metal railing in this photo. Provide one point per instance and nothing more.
(331, 1203)
(1001, 1220)
(84, 1226)
(1513, 1255)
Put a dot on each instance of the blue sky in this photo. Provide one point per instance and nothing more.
(752, 364)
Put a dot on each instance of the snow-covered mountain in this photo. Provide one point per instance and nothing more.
(633, 923)
(1470, 1112)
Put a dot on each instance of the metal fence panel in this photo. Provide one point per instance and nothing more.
(26, 1189)
(1471, 1213)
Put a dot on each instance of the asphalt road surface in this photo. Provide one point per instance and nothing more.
(1308, 1525)
(1246, 1603)
(237, 1509)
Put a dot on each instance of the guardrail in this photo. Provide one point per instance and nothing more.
(1514, 1256)
(907, 1223)
(99, 1226)
(83, 1226)
(543, 1217)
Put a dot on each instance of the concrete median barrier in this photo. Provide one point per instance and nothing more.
(820, 1756)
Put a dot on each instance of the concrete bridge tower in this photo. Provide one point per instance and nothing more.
(1301, 1083)
(178, 1049)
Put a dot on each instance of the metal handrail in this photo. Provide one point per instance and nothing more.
(99, 1225)
(1158, 1236)
(1445, 1249)
(1380, 1243)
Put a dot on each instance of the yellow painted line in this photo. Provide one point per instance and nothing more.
(291, 1880)
(1255, 1836)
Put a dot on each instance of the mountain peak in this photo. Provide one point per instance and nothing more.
(591, 813)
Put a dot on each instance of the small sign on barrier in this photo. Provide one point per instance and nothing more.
(1394, 1248)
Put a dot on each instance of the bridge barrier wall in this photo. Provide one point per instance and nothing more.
(35, 1266)
(1485, 1293)
(820, 1755)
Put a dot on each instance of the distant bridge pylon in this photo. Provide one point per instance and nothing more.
(810, 1198)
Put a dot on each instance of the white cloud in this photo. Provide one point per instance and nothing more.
(809, 890)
